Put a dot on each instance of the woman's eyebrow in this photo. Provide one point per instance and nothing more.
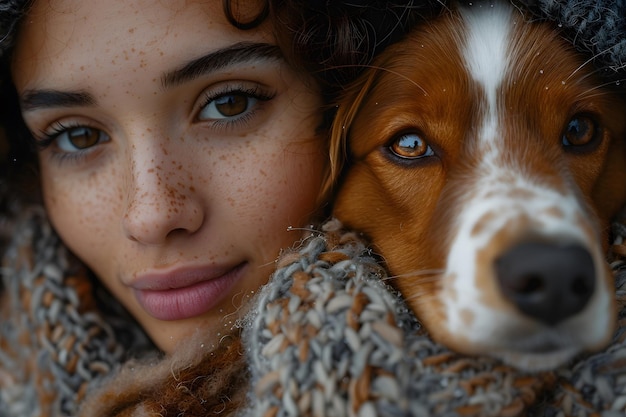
(35, 99)
(243, 52)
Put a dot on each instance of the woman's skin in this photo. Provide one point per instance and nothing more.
(176, 151)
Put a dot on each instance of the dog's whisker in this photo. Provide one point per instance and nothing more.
(267, 264)
(437, 271)
(601, 87)
(379, 68)
(310, 229)
(429, 275)
(590, 60)
(421, 297)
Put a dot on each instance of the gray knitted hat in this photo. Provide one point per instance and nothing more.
(596, 26)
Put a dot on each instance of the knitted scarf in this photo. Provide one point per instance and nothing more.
(326, 337)
(58, 330)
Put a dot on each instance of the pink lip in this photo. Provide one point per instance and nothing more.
(186, 292)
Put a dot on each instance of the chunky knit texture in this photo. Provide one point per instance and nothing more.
(57, 333)
(331, 338)
(595, 26)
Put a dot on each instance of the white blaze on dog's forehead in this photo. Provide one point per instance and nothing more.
(486, 50)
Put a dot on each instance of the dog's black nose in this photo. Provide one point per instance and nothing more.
(546, 281)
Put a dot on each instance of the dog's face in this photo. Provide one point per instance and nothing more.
(486, 160)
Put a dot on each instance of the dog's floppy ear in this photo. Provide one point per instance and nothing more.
(340, 131)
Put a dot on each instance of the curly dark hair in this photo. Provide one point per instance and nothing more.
(336, 39)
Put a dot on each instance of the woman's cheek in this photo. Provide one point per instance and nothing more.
(82, 210)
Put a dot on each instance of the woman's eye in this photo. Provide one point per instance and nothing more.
(79, 138)
(410, 146)
(580, 131)
(227, 106)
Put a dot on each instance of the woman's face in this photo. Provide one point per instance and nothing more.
(178, 151)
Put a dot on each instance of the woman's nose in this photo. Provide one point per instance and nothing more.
(162, 201)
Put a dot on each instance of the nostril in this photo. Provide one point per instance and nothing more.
(545, 281)
(531, 284)
(581, 286)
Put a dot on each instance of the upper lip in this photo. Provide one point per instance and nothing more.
(180, 277)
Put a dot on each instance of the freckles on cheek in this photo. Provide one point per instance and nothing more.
(83, 213)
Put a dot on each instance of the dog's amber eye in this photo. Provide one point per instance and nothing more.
(410, 146)
(580, 131)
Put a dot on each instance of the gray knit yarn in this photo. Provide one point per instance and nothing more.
(597, 26)
(330, 338)
(50, 325)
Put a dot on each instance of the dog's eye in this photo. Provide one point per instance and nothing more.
(580, 131)
(410, 146)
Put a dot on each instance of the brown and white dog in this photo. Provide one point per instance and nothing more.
(485, 158)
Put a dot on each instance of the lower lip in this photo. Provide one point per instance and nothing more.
(192, 301)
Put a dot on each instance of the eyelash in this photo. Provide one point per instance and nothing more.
(255, 92)
(46, 139)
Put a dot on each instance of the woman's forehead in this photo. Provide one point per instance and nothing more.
(68, 37)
